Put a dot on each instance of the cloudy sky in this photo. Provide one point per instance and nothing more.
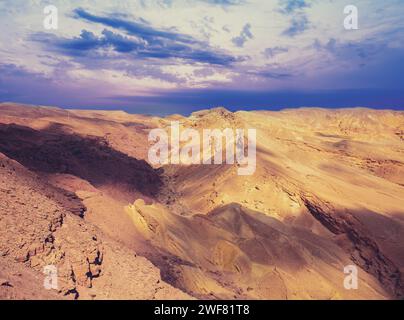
(169, 56)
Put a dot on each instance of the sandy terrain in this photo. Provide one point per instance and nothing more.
(77, 192)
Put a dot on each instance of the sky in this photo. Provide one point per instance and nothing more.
(178, 56)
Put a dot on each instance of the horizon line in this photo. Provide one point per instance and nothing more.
(246, 109)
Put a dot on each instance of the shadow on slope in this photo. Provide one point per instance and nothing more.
(234, 252)
(91, 158)
(374, 240)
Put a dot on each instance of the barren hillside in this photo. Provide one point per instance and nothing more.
(77, 192)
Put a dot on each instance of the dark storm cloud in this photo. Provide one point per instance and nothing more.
(147, 45)
(139, 28)
(142, 40)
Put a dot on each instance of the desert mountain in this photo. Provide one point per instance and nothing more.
(77, 192)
